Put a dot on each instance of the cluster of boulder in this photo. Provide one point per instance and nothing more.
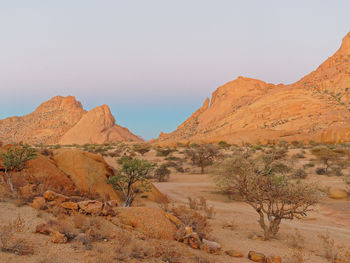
(52, 199)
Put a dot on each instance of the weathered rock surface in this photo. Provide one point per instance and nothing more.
(234, 253)
(274, 259)
(256, 256)
(248, 110)
(91, 207)
(88, 171)
(63, 120)
(337, 193)
(152, 222)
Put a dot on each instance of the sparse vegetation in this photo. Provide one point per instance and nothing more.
(131, 178)
(273, 197)
(162, 173)
(15, 158)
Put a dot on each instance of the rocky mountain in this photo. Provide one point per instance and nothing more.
(63, 120)
(316, 108)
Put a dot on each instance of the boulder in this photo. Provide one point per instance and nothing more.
(70, 205)
(337, 193)
(211, 246)
(88, 171)
(91, 207)
(234, 253)
(274, 259)
(42, 170)
(57, 237)
(38, 202)
(256, 256)
(53, 196)
(150, 221)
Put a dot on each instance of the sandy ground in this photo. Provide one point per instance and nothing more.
(330, 217)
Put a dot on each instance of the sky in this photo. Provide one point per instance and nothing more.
(154, 62)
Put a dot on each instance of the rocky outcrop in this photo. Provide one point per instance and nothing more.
(316, 108)
(88, 171)
(97, 126)
(63, 120)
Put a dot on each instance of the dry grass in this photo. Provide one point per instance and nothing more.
(9, 240)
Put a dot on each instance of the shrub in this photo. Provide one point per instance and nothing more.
(163, 152)
(321, 171)
(131, 178)
(192, 218)
(162, 173)
(15, 158)
(325, 156)
(273, 197)
(142, 148)
(223, 144)
(10, 243)
(300, 173)
(203, 155)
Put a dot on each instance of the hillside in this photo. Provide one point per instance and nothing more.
(63, 120)
(316, 108)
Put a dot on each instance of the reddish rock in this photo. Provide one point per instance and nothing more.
(91, 207)
(108, 210)
(234, 253)
(88, 171)
(274, 259)
(256, 256)
(192, 240)
(38, 203)
(70, 206)
(53, 196)
(63, 120)
(250, 110)
(57, 237)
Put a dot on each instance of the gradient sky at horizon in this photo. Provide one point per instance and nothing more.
(154, 62)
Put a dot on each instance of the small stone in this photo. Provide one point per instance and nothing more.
(57, 237)
(211, 246)
(234, 253)
(256, 256)
(274, 259)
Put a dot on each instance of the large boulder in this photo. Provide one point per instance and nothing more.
(152, 222)
(43, 170)
(88, 171)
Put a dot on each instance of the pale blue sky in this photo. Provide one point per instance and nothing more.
(154, 62)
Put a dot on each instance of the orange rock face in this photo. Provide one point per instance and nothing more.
(63, 120)
(315, 108)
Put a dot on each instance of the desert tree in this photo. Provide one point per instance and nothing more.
(203, 155)
(274, 197)
(14, 159)
(162, 173)
(326, 156)
(142, 148)
(131, 178)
